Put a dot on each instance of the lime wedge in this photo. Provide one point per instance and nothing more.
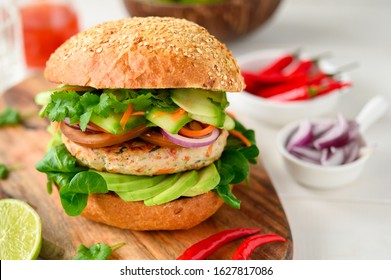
(20, 230)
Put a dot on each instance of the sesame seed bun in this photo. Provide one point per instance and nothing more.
(148, 52)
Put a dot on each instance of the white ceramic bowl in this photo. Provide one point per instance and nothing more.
(277, 113)
(317, 176)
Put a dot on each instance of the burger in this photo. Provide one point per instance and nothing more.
(141, 138)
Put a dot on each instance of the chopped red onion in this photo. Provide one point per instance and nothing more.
(302, 136)
(336, 136)
(326, 142)
(332, 157)
(321, 127)
(352, 151)
(192, 142)
(307, 154)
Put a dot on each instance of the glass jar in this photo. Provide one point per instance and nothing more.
(46, 25)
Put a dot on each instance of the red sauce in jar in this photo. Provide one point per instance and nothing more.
(45, 27)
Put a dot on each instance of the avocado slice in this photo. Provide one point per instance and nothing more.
(166, 119)
(200, 102)
(185, 182)
(127, 183)
(209, 178)
(112, 123)
(223, 121)
(146, 193)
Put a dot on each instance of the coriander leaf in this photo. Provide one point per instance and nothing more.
(103, 109)
(10, 117)
(64, 104)
(163, 100)
(84, 120)
(95, 252)
(3, 171)
(99, 251)
(142, 102)
(88, 101)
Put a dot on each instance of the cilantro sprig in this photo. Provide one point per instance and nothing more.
(80, 106)
(9, 117)
(4, 171)
(99, 251)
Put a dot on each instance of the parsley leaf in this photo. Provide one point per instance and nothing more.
(99, 251)
(10, 116)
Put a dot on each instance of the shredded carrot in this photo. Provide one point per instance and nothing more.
(164, 171)
(126, 116)
(209, 150)
(241, 137)
(55, 126)
(232, 115)
(196, 133)
(178, 113)
(138, 113)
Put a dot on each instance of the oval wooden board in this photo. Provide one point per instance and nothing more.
(25, 144)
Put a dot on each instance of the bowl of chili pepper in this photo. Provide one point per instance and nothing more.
(285, 86)
(327, 153)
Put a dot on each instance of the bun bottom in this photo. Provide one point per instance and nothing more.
(183, 213)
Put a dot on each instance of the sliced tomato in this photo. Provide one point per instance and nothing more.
(156, 138)
(99, 140)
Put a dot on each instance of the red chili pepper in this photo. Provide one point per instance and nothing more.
(333, 86)
(268, 92)
(207, 246)
(244, 251)
(303, 67)
(309, 91)
(278, 65)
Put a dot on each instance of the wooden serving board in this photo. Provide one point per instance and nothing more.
(25, 144)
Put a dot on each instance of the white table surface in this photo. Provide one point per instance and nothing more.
(353, 222)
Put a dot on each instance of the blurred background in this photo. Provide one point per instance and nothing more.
(346, 223)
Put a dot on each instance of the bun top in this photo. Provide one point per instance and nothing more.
(149, 52)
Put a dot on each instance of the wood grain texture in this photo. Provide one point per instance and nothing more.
(25, 144)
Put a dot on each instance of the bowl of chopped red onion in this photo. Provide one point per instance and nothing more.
(329, 153)
(283, 86)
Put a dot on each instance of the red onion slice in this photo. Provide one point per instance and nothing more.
(192, 142)
(352, 151)
(336, 136)
(302, 136)
(332, 157)
(321, 127)
(307, 154)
